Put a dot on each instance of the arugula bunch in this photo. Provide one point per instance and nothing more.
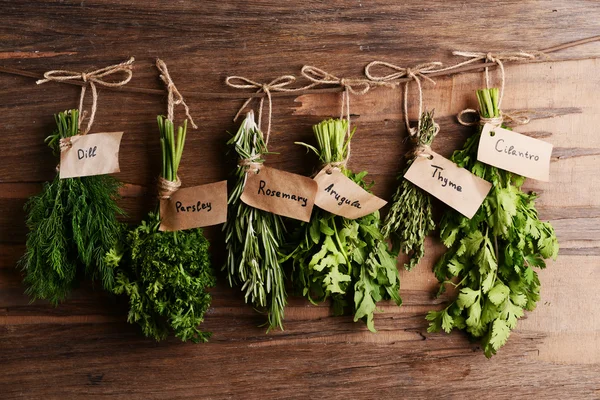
(72, 223)
(329, 254)
(410, 218)
(253, 236)
(493, 255)
(165, 274)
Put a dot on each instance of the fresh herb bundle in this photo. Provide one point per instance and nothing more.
(410, 218)
(493, 255)
(165, 274)
(253, 236)
(72, 223)
(329, 253)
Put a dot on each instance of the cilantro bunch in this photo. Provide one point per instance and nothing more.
(253, 236)
(410, 218)
(330, 253)
(491, 258)
(165, 274)
(72, 223)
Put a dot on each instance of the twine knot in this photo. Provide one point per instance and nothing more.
(279, 84)
(166, 188)
(174, 96)
(92, 79)
(517, 117)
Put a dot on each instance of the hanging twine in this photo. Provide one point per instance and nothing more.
(279, 84)
(356, 86)
(519, 117)
(174, 98)
(91, 79)
(415, 74)
(166, 188)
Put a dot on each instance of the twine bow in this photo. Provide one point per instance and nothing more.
(415, 74)
(279, 84)
(92, 79)
(173, 93)
(518, 117)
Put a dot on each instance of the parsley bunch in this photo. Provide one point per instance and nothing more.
(72, 223)
(329, 253)
(165, 274)
(410, 218)
(253, 236)
(493, 255)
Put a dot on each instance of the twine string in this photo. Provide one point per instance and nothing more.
(91, 79)
(413, 74)
(166, 188)
(174, 96)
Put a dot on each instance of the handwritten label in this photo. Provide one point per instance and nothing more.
(455, 186)
(339, 195)
(280, 192)
(515, 152)
(194, 207)
(93, 154)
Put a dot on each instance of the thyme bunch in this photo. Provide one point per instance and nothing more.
(491, 258)
(71, 223)
(410, 218)
(253, 236)
(165, 274)
(329, 254)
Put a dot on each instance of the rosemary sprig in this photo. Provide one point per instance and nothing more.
(493, 255)
(253, 236)
(165, 274)
(329, 254)
(410, 218)
(72, 223)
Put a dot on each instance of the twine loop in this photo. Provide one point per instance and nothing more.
(279, 84)
(91, 79)
(415, 74)
(166, 188)
(174, 97)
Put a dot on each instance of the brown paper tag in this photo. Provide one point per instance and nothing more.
(515, 152)
(93, 154)
(339, 195)
(453, 185)
(194, 207)
(280, 192)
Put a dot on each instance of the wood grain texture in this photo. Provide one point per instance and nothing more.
(84, 348)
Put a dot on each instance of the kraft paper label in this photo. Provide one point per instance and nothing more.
(87, 155)
(194, 207)
(339, 195)
(280, 192)
(455, 186)
(515, 152)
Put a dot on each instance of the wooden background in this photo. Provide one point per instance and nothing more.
(84, 347)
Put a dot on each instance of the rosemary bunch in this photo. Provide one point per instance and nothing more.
(72, 223)
(410, 218)
(492, 256)
(165, 274)
(329, 253)
(253, 236)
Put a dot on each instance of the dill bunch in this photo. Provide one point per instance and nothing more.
(71, 223)
(165, 274)
(329, 254)
(493, 255)
(410, 218)
(253, 236)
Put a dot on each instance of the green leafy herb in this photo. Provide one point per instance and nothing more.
(329, 253)
(410, 218)
(165, 274)
(492, 256)
(72, 223)
(253, 236)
